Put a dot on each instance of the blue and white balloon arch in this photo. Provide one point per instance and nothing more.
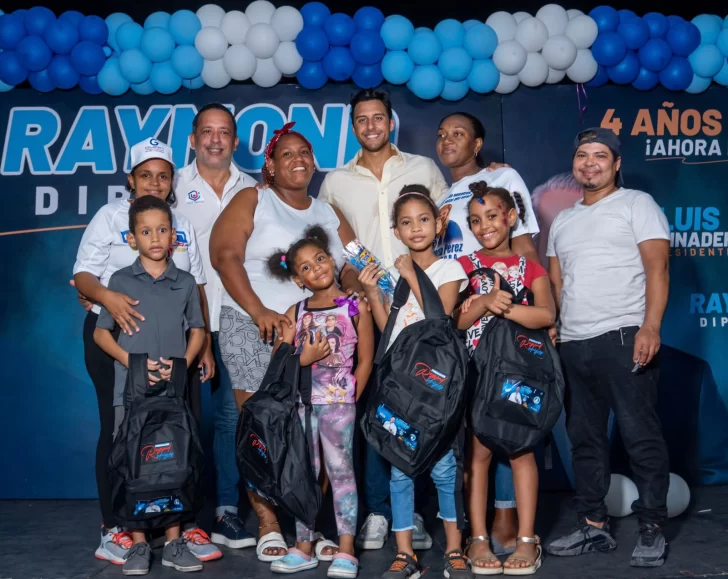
(212, 47)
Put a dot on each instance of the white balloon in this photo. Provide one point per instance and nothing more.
(555, 76)
(559, 52)
(510, 57)
(287, 22)
(210, 42)
(235, 26)
(582, 30)
(536, 70)
(507, 83)
(678, 496)
(554, 17)
(521, 16)
(622, 493)
(266, 73)
(210, 15)
(504, 25)
(573, 13)
(239, 62)
(262, 40)
(532, 34)
(260, 11)
(214, 74)
(287, 59)
(584, 68)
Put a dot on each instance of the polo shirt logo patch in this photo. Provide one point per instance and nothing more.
(194, 196)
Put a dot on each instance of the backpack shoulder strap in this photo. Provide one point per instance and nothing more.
(136, 385)
(401, 294)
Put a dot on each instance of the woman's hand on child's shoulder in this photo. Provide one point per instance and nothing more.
(314, 349)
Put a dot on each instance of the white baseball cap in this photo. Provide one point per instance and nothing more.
(150, 149)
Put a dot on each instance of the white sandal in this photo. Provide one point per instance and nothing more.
(478, 569)
(273, 540)
(321, 544)
(525, 570)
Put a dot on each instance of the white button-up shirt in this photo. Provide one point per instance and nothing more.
(199, 203)
(367, 202)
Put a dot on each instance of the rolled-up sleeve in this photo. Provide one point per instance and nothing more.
(93, 253)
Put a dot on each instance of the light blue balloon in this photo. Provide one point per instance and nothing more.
(164, 79)
(143, 88)
(397, 67)
(129, 35)
(709, 26)
(722, 77)
(455, 63)
(108, 51)
(454, 91)
(468, 23)
(425, 47)
(725, 22)
(157, 44)
(157, 20)
(134, 66)
(722, 42)
(194, 83)
(5, 87)
(427, 82)
(111, 80)
(699, 84)
(114, 21)
(484, 76)
(397, 32)
(450, 32)
(707, 60)
(187, 62)
(184, 26)
(480, 41)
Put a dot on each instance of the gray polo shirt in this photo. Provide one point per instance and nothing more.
(169, 304)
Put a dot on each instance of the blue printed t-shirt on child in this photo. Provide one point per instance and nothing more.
(332, 378)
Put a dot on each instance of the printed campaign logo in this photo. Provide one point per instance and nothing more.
(710, 309)
(534, 347)
(153, 147)
(257, 444)
(181, 242)
(430, 376)
(694, 232)
(194, 196)
(157, 452)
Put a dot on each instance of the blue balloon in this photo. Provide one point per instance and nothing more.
(625, 15)
(677, 75)
(108, 51)
(425, 47)
(606, 17)
(722, 77)
(114, 21)
(164, 79)
(34, 54)
(61, 36)
(635, 32)
(37, 19)
(5, 87)
(397, 32)
(646, 80)
(369, 18)
(455, 64)
(454, 91)
(158, 20)
(722, 42)
(12, 72)
(129, 35)
(184, 26)
(450, 32)
(655, 55)
(609, 49)
(143, 88)
(367, 75)
(674, 20)
(683, 38)
(709, 27)
(367, 47)
(72, 17)
(707, 60)
(62, 72)
(312, 43)
(480, 41)
(315, 14)
(12, 31)
(187, 62)
(134, 66)
(658, 25)
(340, 29)
(89, 84)
(94, 29)
(427, 82)
(626, 71)
(338, 63)
(397, 67)
(157, 44)
(600, 79)
(699, 84)
(311, 75)
(194, 83)
(468, 23)
(88, 58)
(484, 76)
(41, 81)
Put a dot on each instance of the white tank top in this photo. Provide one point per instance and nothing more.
(277, 225)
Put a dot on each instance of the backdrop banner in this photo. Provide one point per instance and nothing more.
(64, 155)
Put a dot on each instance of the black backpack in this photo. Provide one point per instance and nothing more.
(273, 450)
(414, 415)
(515, 372)
(156, 461)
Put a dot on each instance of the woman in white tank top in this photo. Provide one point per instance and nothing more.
(249, 230)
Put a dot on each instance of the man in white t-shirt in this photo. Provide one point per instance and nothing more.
(608, 263)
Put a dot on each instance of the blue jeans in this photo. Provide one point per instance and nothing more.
(377, 475)
(402, 488)
(505, 492)
(225, 417)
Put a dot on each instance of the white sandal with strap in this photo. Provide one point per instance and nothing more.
(477, 569)
(323, 543)
(273, 540)
(525, 570)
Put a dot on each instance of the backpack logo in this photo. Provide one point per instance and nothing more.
(157, 452)
(430, 376)
(533, 347)
(256, 442)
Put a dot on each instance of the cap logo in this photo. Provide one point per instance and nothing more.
(153, 142)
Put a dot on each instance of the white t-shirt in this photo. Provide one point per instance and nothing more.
(458, 239)
(441, 272)
(199, 203)
(601, 266)
(104, 249)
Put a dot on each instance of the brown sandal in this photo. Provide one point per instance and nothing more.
(479, 569)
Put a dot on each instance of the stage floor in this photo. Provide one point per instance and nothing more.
(57, 539)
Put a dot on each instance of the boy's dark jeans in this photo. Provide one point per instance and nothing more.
(599, 376)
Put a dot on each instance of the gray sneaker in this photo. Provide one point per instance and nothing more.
(583, 538)
(651, 547)
(421, 539)
(137, 561)
(177, 554)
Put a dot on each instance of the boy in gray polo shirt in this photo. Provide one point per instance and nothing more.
(169, 303)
